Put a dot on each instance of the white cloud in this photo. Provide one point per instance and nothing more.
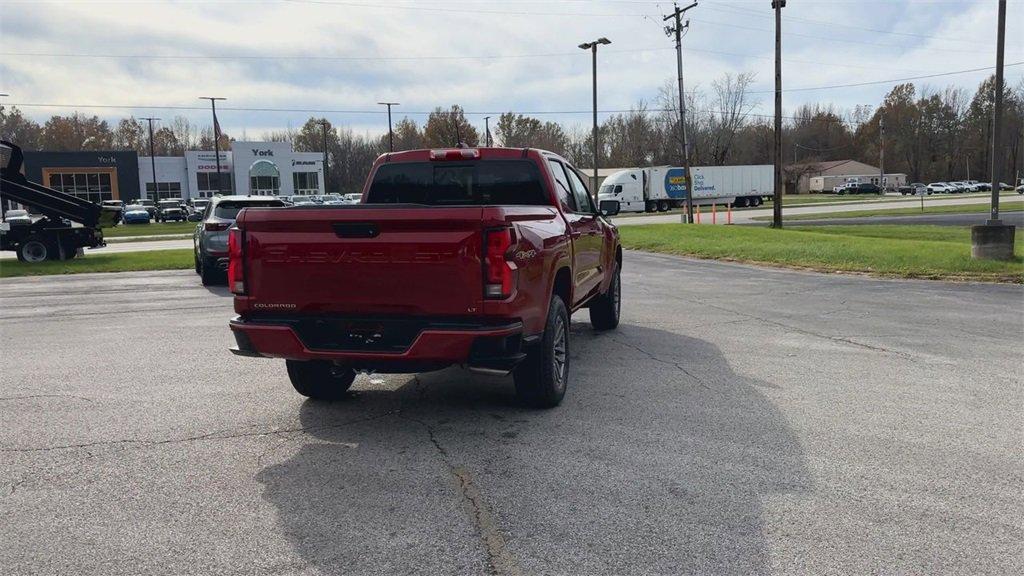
(961, 38)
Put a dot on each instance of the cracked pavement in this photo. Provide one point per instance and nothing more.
(741, 420)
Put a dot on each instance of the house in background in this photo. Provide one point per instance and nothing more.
(799, 177)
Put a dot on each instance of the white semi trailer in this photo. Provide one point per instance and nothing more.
(662, 188)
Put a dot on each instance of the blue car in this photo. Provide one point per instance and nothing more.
(135, 214)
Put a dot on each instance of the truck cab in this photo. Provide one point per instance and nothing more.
(626, 187)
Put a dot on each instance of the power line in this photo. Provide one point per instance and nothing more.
(890, 81)
(309, 57)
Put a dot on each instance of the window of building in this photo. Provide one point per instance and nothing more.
(207, 184)
(91, 186)
(164, 190)
(306, 183)
(264, 178)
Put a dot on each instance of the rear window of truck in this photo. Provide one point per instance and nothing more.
(506, 182)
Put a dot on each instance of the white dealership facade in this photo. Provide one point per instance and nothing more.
(248, 168)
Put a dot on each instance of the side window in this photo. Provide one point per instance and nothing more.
(580, 190)
(562, 188)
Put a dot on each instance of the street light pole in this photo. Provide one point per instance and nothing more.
(592, 46)
(487, 131)
(778, 5)
(152, 157)
(677, 30)
(323, 128)
(391, 134)
(216, 136)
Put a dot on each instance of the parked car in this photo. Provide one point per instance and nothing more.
(149, 205)
(135, 214)
(18, 218)
(860, 188)
(984, 187)
(913, 189)
(354, 198)
(1004, 187)
(940, 188)
(210, 239)
(502, 246)
(170, 210)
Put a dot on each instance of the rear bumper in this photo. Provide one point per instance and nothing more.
(491, 348)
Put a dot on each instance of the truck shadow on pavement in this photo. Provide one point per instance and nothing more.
(660, 461)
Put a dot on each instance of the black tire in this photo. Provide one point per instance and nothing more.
(35, 250)
(195, 257)
(541, 379)
(320, 379)
(605, 308)
(209, 273)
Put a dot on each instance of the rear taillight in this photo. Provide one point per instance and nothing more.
(236, 268)
(455, 154)
(497, 266)
(216, 226)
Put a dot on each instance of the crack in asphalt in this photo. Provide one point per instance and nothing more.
(677, 365)
(218, 435)
(500, 561)
(31, 396)
(804, 331)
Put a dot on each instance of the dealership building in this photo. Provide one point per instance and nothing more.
(271, 168)
(264, 168)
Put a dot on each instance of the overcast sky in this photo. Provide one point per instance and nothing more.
(486, 55)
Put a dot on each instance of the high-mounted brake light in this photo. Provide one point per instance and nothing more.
(216, 226)
(455, 154)
(497, 267)
(236, 268)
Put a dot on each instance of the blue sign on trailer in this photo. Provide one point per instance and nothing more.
(675, 183)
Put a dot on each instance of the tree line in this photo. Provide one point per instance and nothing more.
(929, 134)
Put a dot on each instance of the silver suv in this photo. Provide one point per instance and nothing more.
(210, 239)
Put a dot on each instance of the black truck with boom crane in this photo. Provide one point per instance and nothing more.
(53, 236)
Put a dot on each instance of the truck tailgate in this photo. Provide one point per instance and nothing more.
(363, 260)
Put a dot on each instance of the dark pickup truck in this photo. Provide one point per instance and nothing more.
(468, 256)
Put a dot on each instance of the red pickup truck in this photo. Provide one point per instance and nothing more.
(470, 256)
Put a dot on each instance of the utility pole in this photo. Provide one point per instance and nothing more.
(677, 30)
(323, 128)
(994, 240)
(592, 46)
(391, 135)
(487, 131)
(881, 153)
(778, 5)
(997, 118)
(216, 136)
(152, 157)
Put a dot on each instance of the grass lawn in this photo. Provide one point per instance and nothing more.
(1004, 206)
(151, 229)
(938, 252)
(122, 262)
(161, 238)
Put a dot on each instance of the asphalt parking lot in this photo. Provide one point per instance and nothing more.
(741, 420)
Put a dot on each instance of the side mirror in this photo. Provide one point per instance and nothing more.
(609, 207)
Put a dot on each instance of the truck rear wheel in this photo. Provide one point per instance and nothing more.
(604, 310)
(34, 250)
(541, 379)
(320, 379)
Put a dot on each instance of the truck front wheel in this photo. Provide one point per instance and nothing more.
(541, 378)
(320, 379)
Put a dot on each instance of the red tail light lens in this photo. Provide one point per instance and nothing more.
(455, 154)
(236, 269)
(216, 226)
(497, 267)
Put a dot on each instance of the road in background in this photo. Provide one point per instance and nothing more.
(741, 420)
(747, 216)
(946, 219)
